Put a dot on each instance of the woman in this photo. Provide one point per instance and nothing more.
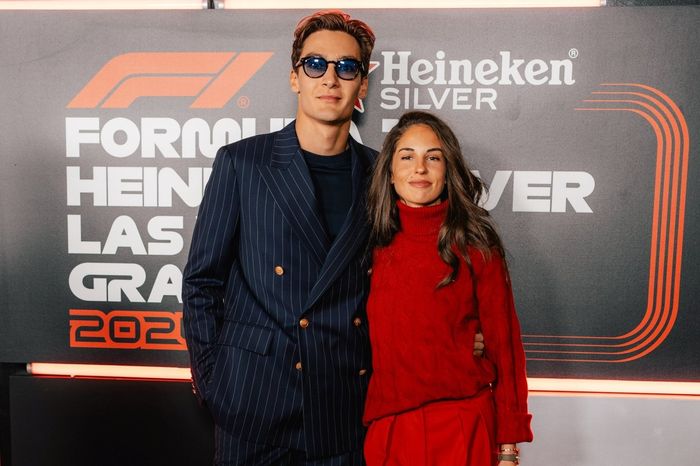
(438, 276)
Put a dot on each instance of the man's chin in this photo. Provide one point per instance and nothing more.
(334, 119)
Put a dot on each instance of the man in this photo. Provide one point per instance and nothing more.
(275, 285)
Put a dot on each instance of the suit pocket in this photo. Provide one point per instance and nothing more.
(246, 336)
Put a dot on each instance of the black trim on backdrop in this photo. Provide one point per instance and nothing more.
(651, 2)
(106, 422)
(6, 371)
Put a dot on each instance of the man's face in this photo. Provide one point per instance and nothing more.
(328, 99)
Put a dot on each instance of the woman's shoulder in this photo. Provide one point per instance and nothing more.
(481, 258)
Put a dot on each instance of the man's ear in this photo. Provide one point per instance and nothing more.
(294, 81)
(363, 88)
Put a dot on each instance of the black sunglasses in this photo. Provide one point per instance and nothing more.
(345, 68)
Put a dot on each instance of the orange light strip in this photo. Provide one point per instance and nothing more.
(535, 384)
(593, 386)
(110, 371)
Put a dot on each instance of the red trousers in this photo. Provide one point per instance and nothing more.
(443, 433)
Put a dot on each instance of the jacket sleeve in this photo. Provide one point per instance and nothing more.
(211, 255)
(504, 347)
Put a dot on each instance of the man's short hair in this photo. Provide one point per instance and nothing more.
(334, 20)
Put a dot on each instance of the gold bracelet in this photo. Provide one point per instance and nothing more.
(507, 449)
(509, 457)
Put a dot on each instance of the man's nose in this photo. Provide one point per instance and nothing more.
(330, 78)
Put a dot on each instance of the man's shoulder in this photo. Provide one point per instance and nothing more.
(257, 143)
(371, 153)
(255, 149)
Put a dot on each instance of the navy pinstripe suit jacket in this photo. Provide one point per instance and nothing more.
(241, 316)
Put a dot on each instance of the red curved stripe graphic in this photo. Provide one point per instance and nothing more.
(670, 183)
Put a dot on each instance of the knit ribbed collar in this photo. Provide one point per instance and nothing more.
(422, 221)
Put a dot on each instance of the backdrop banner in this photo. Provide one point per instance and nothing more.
(581, 121)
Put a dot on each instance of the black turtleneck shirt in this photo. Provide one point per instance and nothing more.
(332, 178)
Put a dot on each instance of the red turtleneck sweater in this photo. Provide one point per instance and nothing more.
(422, 337)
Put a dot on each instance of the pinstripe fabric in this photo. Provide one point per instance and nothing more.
(232, 451)
(241, 319)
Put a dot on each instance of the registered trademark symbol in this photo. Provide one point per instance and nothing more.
(573, 53)
(243, 102)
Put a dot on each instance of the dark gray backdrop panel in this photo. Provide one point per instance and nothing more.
(574, 274)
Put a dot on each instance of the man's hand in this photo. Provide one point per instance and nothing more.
(479, 344)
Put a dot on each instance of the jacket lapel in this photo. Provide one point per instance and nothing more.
(353, 233)
(288, 179)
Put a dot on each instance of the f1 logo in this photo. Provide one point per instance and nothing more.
(212, 77)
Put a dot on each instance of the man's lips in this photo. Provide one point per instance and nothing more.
(329, 98)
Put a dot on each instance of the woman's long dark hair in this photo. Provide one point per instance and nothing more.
(466, 223)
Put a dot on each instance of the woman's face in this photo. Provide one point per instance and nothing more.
(418, 167)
